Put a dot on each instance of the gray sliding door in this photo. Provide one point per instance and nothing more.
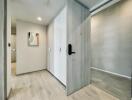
(78, 63)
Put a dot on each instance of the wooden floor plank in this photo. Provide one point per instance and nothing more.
(42, 85)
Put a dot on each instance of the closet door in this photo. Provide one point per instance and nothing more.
(60, 46)
(57, 49)
(78, 59)
(63, 45)
(50, 50)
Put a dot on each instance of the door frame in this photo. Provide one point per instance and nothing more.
(5, 50)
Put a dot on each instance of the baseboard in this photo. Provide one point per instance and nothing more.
(29, 72)
(115, 85)
(112, 73)
(56, 78)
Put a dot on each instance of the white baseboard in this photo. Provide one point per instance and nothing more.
(103, 7)
(116, 74)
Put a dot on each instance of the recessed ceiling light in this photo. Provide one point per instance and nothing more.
(39, 19)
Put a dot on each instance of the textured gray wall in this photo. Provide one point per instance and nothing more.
(112, 38)
(1, 50)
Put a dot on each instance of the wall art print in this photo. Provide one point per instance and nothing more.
(33, 39)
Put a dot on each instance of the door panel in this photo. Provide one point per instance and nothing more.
(50, 50)
(60, 46)
(78, 64)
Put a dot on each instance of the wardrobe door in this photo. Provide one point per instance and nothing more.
(63, 45)
(50, 50)
(57, 48)
(60, 46)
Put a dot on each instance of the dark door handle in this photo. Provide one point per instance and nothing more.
(70, 52)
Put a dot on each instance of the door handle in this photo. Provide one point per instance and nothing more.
(70, 52)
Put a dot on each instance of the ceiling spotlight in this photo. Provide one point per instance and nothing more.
(39, 19)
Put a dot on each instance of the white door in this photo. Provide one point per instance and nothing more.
(60, 46)
(50, 50)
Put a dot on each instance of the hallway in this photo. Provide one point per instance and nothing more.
(65, 50)
(42, 85)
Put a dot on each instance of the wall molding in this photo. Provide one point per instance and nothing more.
(103, 5)
(116, 74)
(99, 4)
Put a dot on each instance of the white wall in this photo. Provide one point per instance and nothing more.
(1, 50)
(56, 41)
(30, 58)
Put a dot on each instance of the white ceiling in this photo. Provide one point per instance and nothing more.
(29, 10)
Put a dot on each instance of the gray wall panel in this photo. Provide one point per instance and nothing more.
(112, 38)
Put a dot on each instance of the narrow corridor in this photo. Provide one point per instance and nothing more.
(42, 85)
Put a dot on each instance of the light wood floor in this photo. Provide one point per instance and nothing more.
(43, 86)
(13, 69)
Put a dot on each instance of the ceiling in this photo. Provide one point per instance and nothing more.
(92, 3)
(29, 10)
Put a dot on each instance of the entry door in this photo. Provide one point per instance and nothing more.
(78, 69)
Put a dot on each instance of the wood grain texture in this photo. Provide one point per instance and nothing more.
(43, 86)
(79, 37)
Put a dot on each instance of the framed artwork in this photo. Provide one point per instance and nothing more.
(33, 39)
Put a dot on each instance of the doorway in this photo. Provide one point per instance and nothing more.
(77, 52)
(13, 50)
